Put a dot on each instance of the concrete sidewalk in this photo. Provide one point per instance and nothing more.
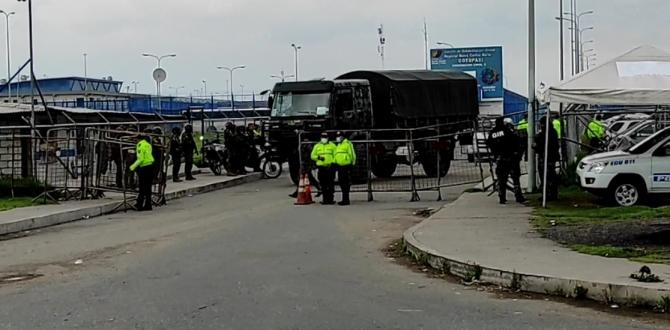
(29, 218)
(475, 235)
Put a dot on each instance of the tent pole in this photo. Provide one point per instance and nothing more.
(532, 170)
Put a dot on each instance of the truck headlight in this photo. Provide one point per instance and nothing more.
(598, 167)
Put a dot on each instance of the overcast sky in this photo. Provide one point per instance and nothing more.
(337, 36)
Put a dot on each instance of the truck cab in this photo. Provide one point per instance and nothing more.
(313, 107)
(628, 176)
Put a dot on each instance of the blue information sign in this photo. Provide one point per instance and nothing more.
(483, 63)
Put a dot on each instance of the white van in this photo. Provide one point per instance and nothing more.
(628, 176)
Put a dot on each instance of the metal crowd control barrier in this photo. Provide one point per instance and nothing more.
(110, 154)
(407, 160)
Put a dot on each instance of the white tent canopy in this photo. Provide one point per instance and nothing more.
(639, 77)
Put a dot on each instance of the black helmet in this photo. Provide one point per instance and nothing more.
(188, 128)
(176, 130)
(158, 130)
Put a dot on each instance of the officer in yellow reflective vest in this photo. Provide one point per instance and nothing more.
(595, 133)
(345, 159)
(143, 165)
(324, 156)
(522, 132)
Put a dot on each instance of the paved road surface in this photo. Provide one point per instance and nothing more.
(246, 258)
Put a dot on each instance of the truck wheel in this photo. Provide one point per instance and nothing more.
(626, 193)
(429, 163)
(359, 174)
(384, 167)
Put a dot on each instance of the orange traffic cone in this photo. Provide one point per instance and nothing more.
(304, 192)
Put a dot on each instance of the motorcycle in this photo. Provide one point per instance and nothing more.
(215, 156)
(271, 162)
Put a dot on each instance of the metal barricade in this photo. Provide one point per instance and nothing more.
(406, 160)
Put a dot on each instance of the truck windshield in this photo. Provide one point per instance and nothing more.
(649, 142)
(289, 105)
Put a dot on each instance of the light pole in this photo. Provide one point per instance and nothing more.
(282, 76)
(158, 83)
(9, 54)
(135, 83)
(204, 83)
(446, 44)
(85, 77)
(531, 97)
(296, 48)
(231, 70)
(578, 34)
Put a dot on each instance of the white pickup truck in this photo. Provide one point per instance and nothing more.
(628, 176)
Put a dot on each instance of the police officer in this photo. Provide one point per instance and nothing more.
(553, 156)
(504, 144)
(306, 168)
(595, 133)
(158, 152)
(176, 153)
(345, 159)
(229, 143)
(143, 165)
(522, 133)
(189, 148)
(323, 154)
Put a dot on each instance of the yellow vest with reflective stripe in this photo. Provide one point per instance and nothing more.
(325, 151)
(144, 155)
(345, 154)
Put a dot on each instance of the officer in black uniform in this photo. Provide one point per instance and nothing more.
(189, 148)
(504, 144)
(553, 156)
(176, 153)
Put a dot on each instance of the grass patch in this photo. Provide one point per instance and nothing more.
(641, 255)
(13, 203)
(578, 207)
(611, 251)
(23, 187)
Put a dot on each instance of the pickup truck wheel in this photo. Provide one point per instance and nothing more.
(626, 194)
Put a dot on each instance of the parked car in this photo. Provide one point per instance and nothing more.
(628, 176)
(634, 135)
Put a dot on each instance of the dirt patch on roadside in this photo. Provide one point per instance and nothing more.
(651, 233)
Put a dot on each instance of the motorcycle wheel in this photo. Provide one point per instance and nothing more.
(216, 169)
(272, 169)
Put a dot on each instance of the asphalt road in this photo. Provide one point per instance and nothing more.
(246, 258)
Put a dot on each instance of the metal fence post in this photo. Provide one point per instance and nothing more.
(437, 145)
(478, 158)
(11, 180)
(410, 148)
(369, 165)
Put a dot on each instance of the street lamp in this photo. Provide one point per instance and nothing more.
(296, 48)
(577, 35)
(9, 63)
(446, 44)
(158, 83)
(176, 90)
(135, 83)
(282, 76)
(204, 83)
(231, 70)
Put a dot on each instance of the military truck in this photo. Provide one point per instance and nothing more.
(381, 106)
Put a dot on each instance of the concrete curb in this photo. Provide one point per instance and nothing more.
(76, 214)
(629, 295)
